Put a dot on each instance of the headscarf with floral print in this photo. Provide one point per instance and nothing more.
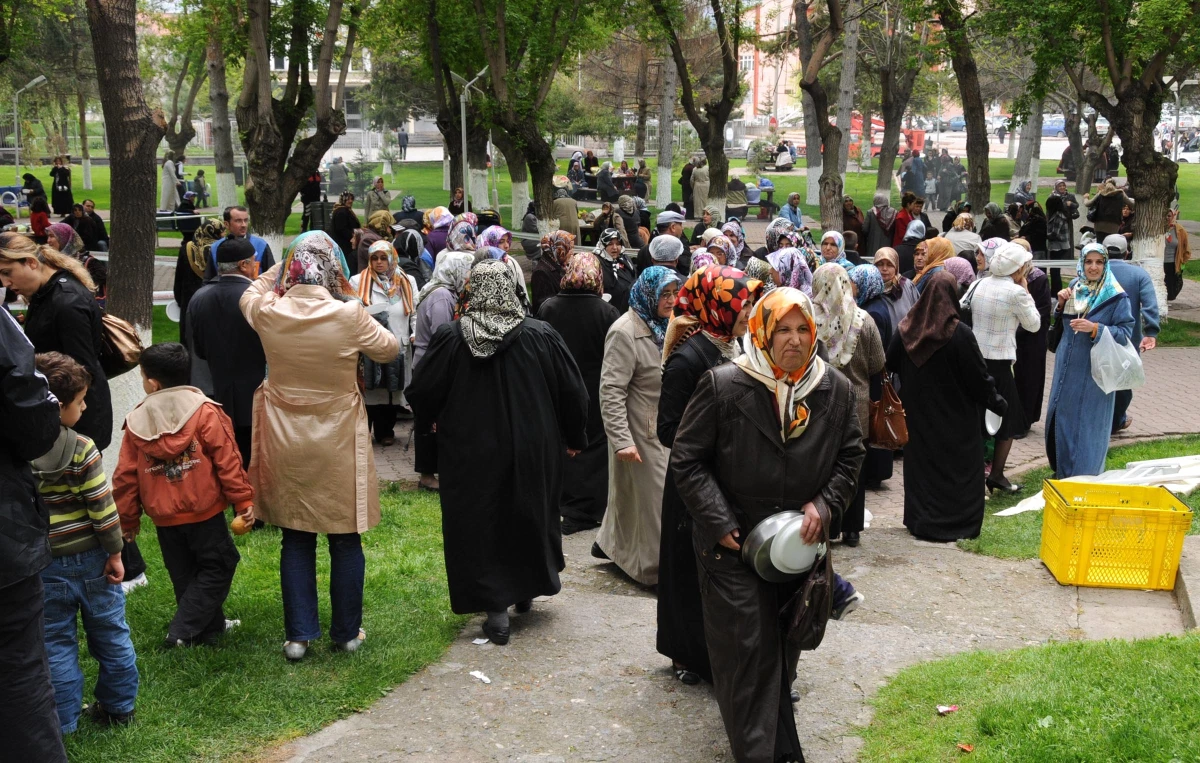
(492, 308)
(644, 296)
(726, 247)
(494, 235)
(839, 319)
(582, 274)
(709, 302)
(778, 229)
(792, 267)
(461, 237)
(869, 282)
(314, 259)
(559, 245)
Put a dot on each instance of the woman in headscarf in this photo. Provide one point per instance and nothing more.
(343, 222)
(582, 318)
(497, 377)
(708, 219)
(408, 210)
(833, 249)
(308, 415)
(773, 431)
(379, 228)
(436, 304)
(945, 387)
(630, 382)
(955, 211)
(497, 236)
(854, 347)
(734, 231)
(791, 211)
(761, 270)
(605, 189)
(700, 183)
(999, 305)
(792, 267)
(458, 202)
(437, 227)
(408, 244)
(868, 286)
(388, 294)
(780, 233)
(168, 194)
(962, 270)
(703, 259)
(712, 314)
(937, 252)
(1034, 230)
(983, 256)
(631, 220)
(1079, 416)
(723, 249)
(962, 234)
(852, 218)
(461, 237)
(618, 271)
(1029, 370)
(914, 235)
(899, 293)
(995, 225)
(877, 230)
(377, 198)
(548, 273)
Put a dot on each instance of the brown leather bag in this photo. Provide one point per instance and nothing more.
(120, 346)
(807, 613)
(889, 430)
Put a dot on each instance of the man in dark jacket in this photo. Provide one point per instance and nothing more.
(668, 223)
(29, 728)
(89, 207)
(221, 335)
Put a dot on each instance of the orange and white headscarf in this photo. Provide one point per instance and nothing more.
(393, 281)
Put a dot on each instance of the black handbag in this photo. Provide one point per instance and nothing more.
(1056, 332)
(807, 613)
(964, 305)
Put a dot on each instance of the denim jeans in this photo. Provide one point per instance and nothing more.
(298, 578)
(75, 584)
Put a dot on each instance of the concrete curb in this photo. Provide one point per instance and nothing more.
(1187, 582)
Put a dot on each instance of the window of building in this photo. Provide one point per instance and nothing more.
(746, 63)
(279, 63)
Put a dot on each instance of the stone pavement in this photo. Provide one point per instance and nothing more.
(581, 680)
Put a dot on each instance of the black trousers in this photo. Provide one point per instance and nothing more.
(1174, 281)
(201, 559)
(29, 728)
(425, 457)
(241, 436)
(383, 421)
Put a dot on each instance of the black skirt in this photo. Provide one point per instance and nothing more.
(680, 610)
(584, 493)
(1014, 422)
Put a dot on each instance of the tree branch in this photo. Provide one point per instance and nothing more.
(1110, 53)
(687, 97)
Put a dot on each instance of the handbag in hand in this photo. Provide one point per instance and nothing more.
(964, 304)
(806, 614)
(1056, 332)
(120, 346)
(888, 427)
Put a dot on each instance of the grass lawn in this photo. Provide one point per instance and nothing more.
(1020, 537)
(1085, 702)
(230, 701)
(164, 329)
(1179, 333)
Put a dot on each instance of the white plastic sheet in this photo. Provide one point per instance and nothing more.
(1179, 474)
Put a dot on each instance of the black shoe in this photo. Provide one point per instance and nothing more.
(572, 526)
(99, 715)
(598, 552)
(688, 677)
(795, 696)
(498, 636)
(851, 540)
(1003, 487)
(523, 606)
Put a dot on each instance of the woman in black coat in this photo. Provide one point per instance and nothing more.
(1033, 229)
(605, 189)
(32, 187)
(342, 224)
(63, 317)
(61, 197)
(582, 318)
(692, 347)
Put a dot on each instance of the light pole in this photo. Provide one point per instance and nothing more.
(462, 113)
(939, 116)
(38, 80)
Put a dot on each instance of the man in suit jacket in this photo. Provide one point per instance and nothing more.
(221, 336)
(1143, 303)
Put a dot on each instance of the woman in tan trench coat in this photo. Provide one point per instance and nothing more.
(308, 416)
(630, 382)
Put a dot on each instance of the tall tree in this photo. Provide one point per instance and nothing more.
(966, 72)
(666, 136)
(816, 45)
(846, 88)
(133, 137)
(180, 130)
(218, 99)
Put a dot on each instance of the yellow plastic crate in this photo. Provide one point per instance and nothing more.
(1113, 536)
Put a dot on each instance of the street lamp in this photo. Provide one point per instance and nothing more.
(38, 80)
(462, 110)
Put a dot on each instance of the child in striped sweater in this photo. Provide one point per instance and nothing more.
(84, 577)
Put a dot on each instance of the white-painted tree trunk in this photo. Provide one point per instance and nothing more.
(1028, 159)
(1012, 142)
(479, 188)
(618, 152)
(666, 136)
(387, 168)
(520, 201)
(812, 153)
(87, 174)
(846, 86)
(226, 190)
(445, 168)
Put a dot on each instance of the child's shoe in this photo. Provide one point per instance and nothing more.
(99, 715)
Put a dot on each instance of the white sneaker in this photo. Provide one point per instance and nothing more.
(129, 585)
(850, 605)
(231, 624)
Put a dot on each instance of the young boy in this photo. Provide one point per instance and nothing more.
(181, 465)
(931, 194)
(85, 574)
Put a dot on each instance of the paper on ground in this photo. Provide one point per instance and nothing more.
(1180, 474)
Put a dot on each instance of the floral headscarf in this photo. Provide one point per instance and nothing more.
(778, 229)
(643, 299)
(200, 247)
(468, 217)
(737, 234)
(710, 301)
(869, 282)
(792, 267)
(728, 250)
(937, 251)
(314, 259)
(393, 281)
(582, 274)
(559, 244)
(625, 204)
(491, 253)
(703, 259)
(840, 241)
(760, 270)
(450, 272)
(1088, 295)
(790, 389)
(492, 309)
(494, 235)
(461, 237)
(69, 242)
(839, 320)
(438, 217)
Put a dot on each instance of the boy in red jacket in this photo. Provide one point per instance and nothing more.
(180, 464)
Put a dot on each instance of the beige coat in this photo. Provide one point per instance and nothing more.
(700, 188)
(308, 414)
(630, 382)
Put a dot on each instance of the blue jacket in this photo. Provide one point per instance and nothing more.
(1143, 302)
(795, 215)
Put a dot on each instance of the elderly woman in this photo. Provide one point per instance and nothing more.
(1079, 417)
(548, 273)
(377, 198)
(999, 305)
(495, 376)
(733, 230)
(780, 233)
(723, 251)
(898, 292)
(708, 219)
(761, 270)
(995, 224)
(877, 229)
(854, 347)
(833, 249)
(773, 431)
(308, 415)
(387, 293)
(713, 311)
(945, 387)
(582, 318)
(963, 236)
(937, 252)
(630, 382)
(605, 188)
(379, 228)
(343, 222)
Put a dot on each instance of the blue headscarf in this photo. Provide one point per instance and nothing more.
(1087, 296)
(868, 281)
(643, 299)
(840, 240)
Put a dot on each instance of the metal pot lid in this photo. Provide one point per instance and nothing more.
(757, 548)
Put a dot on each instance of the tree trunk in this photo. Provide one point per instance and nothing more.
(812, 152)
(1093, 155)
(1071, 125)
(477, 159)
(718, 172)
(666, 136)
(895, 92)
(85, 153)
(865, 142)
(1028, 161)
(518, 172)
(979, 183)
(846, 87)
(542, 167)
(133, 137)
(218, 99)
(643, 99)
(831, 138)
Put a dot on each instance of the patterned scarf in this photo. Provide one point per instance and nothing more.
(737, 235)
(559, 244)
(792, 267)
(727, 249)
(314, 259)
(1087, 295)
(702, 259)
(461, 237)
(582, 274)
(710, 301)
(450, 273)
(492, 308)
(69, 242)
(494, 235)
(839, 320)
(393, 281)
(840, 241)
(199, 248)
(778, 229)
(869, 282)
(644, 295)
(790, 389)
(760, 270)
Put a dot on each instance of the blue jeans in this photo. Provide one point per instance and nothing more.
(298, 578)
(75, 584)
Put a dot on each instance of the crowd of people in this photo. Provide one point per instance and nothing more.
(672, 397)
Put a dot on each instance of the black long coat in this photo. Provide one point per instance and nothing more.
(733, 471)
(504, 423)
(64, 317)
(221, 336)
(63, 200)
(944, 400)
(582, 319)
(878, 465)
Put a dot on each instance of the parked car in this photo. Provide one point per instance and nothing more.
(1054, 127)
(957, 124)
(1190, 152)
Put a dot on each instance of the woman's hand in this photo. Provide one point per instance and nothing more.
(1063, 296)
(629, 455)
(571, 452)
(810, 532)
(1083, 325)
(730, 540)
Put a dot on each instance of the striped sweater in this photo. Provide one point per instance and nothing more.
(73, 486)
